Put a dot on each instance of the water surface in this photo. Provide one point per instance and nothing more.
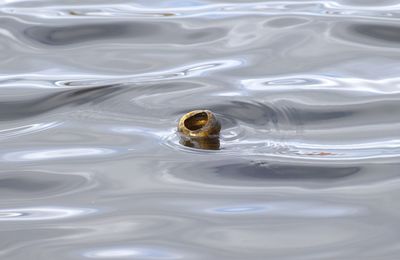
(308, 93)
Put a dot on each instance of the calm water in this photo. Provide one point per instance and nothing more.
(308, 93)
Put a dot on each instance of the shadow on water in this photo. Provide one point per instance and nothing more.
(277, 171)
(139, 31)
(379, 34)
(22, 109)
(252, 173)
(30, 184)
(65, 35)
(387, 33)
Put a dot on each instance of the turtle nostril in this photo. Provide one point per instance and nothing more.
(196, 121)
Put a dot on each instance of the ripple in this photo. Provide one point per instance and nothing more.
(290, 209)
(173, 10)
(293, 129)
(90, 32)
(179, 72)
(50, 154)
(27, 129)
(141, 32)
(370, 34)
(35, 106)
(27, 185)
(149, 252)
(307, 81)
(225, 172)
(42, 213)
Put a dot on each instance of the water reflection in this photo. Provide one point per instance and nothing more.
(21, 185)
(89, 32)
(291, 209)
(376, 34)
(260, 170)
(26, 129)
(138, 31)
(150, 252)
(42, 213)
(51, 154)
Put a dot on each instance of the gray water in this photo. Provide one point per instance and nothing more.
(307, 93)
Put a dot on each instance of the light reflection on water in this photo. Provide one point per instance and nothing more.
(135, 253)
(42, 214)
(307, 93)
(290, 209)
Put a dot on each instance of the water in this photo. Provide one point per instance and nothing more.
(307, 92)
